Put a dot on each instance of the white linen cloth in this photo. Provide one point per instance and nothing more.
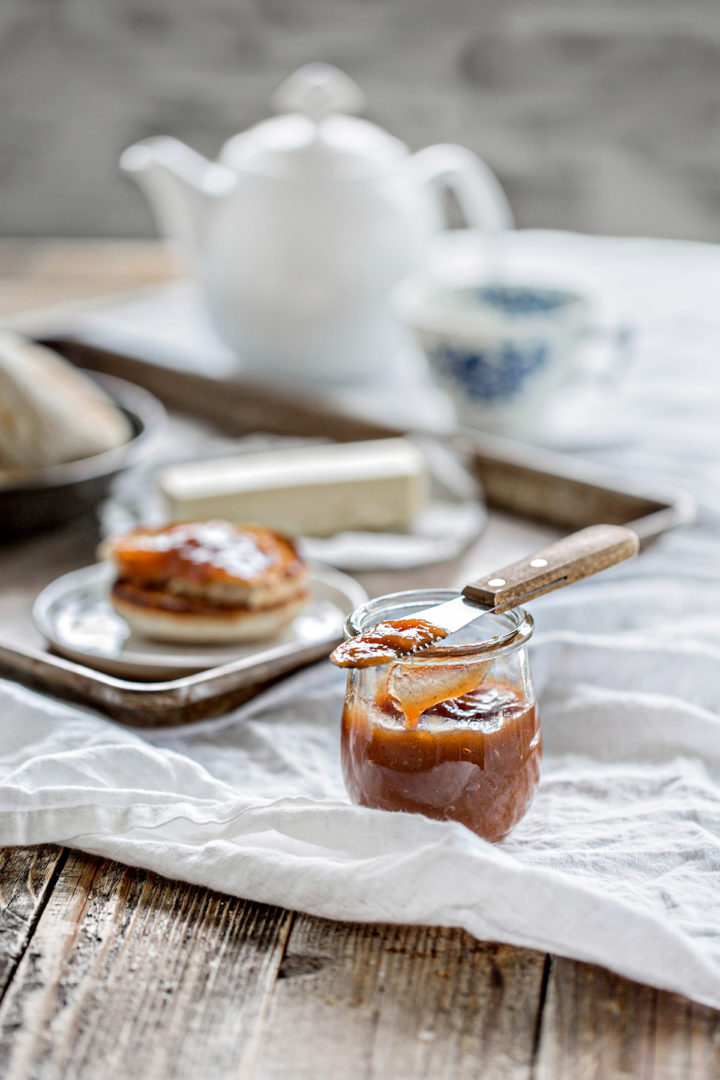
(618, 860)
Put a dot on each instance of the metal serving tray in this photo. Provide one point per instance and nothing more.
(520, 480)
(156, 704)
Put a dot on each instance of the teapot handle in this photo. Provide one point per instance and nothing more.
(477, 189)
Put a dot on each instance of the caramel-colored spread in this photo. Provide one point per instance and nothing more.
(474, 758)
(386, 641)
(206, 552)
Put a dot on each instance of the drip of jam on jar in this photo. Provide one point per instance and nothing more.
(386, 641)
(415, 688)
(473, 758)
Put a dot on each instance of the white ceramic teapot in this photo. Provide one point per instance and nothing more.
(297, 233)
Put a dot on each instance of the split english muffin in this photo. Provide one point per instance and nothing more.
(207, 581)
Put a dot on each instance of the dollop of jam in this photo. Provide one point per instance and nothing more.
(205, 552)
(386, 641)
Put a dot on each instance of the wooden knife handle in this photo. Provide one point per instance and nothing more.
(574, 557)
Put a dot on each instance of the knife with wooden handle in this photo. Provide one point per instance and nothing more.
(566, 561)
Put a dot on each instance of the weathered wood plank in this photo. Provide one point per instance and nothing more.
(129, 975)
(601, 1026)
(401, 1002)
(27, 876)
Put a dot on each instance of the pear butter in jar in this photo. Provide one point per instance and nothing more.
(451, 731)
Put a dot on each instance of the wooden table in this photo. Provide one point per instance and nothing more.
(112, 972)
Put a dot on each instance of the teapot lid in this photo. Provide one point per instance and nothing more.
(315, 136)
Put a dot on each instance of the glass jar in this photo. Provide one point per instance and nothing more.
(452, 732)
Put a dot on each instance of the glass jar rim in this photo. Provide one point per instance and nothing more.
(521, 624)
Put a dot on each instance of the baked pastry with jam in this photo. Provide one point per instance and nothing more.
(207, 581)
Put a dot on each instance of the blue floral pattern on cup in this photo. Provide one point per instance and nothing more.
(497, 374)
(519, 300)
(501, 350)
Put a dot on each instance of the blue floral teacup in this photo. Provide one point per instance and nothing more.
(501, 351)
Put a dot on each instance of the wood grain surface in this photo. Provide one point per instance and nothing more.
(112, 972)
(128, 975)
(596, 1024)
(109, 971)
(402, 1002)
(27, 876)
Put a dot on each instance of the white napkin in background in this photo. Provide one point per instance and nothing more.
(618, 860)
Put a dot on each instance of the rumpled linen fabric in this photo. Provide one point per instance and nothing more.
(618, 860)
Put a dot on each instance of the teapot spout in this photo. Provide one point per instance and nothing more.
(182, 187)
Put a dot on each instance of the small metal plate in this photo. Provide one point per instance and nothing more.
(75, 614)
(210, 692)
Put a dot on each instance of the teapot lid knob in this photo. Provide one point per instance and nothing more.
(317, 91)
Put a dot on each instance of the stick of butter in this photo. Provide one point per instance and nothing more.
(317, 490)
